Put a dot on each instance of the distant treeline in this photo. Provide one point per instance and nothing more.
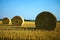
(0, 19)
(29, 20)
(58, 21)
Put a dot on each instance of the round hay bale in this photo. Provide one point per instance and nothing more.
(17, 21)
(45, 20)
(6, 20)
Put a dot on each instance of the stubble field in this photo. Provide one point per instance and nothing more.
(10, 32)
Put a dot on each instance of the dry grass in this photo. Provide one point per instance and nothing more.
(21, 34)
(0, 22)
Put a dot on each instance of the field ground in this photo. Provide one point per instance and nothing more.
(16, 33)
(26, 24)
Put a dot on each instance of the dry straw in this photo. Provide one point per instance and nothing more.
(17, 20)
(46, 20)
(6, 20)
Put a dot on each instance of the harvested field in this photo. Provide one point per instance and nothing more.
(16, 33)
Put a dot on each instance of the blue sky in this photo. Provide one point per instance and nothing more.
(28, 9)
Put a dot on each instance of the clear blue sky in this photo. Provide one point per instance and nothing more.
(28, 9)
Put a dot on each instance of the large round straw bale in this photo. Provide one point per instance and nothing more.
(6, 20)
(46, 20)
(17, 20)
